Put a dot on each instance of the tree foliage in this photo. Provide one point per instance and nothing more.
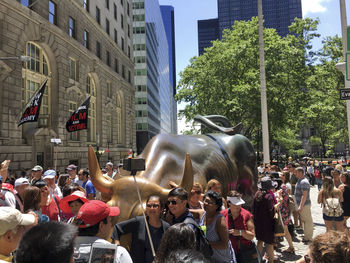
(302, 84)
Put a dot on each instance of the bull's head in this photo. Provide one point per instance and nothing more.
(122, 192)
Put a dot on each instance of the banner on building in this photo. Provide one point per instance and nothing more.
(79, 119)
(31, 113)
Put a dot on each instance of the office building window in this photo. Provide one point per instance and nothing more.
(128, 30)
(128, 9)
(139, 47)
(122, 20)
(107, 4)
(108, 58)
(122, 40)
(109, 90)
(115, 11)
(86, 5)
(73, 136)
(138, 5)
(139, 17)
(129, 76)
(122, 2)
(116, 65)
(32, 81)
(109, 127)
(119, 120)
(72, 27)
(129, 52)
(86, 39)
(98, 49)
(139, 30)
(115, 36)
(52, 13)
(91, 90)
(98, 15)
(37, 62)
(123, 71)
(107, 26)
(72, 66)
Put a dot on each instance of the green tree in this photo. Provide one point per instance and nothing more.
(325, 113)
(225, 80)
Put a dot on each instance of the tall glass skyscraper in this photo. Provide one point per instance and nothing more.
(154, 93)
(278, 14)
(169, 26)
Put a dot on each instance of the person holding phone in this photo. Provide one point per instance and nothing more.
(94, 221)
(140, 246)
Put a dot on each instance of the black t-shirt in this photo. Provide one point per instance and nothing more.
(156, 234)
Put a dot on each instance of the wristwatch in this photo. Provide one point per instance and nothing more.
(240, 232)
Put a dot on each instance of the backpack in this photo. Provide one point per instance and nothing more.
(202, 243)
(332, 207)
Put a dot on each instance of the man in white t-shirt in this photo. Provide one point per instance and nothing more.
(94, 222)
(49, 177)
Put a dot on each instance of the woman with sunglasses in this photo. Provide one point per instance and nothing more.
(216, 229)
(140, 246)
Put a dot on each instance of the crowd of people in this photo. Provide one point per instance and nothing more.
(50, 218)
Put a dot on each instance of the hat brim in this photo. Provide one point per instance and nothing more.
(235, 200)
(27, 220)
(64, 203)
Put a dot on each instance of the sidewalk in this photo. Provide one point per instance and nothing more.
(319, 228)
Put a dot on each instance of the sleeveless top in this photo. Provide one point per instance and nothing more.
(346, 203)
(219, 255)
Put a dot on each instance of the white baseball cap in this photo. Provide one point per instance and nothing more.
(49, 174)
(21, 181)
(10, 218)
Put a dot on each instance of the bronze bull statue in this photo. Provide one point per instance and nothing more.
(183, 159)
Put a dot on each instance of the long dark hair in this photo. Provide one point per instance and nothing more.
(178, 236)
(31, 199)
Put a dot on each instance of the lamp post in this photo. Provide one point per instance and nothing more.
(264, 118)
(342, 66)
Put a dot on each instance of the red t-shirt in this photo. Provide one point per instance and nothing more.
(317, 173)
(239, 223)
(51, 210)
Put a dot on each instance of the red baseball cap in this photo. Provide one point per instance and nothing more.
(95, 211)
(64, 203)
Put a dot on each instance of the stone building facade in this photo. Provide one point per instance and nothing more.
(83, 48)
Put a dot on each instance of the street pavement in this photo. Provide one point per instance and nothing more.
(300, 247)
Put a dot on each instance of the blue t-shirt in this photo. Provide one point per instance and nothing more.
(89, 188)
(302, 185)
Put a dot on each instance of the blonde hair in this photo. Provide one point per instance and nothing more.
(328, 188)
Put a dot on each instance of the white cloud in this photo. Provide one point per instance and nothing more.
(314, 6)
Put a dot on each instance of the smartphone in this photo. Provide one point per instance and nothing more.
(102, 253)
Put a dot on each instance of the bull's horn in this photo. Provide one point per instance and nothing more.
(187, 179)
(103, 184)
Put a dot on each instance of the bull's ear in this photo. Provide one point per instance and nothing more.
(187, 179)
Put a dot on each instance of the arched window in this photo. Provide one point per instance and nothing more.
(119, 120)
(34, 72)
(91, 90)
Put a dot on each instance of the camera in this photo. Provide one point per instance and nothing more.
(134, 164)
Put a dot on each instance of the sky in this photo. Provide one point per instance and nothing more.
(188, 12)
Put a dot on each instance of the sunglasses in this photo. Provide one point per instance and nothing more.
(198, 192)
(173, 202)
(152, 205)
